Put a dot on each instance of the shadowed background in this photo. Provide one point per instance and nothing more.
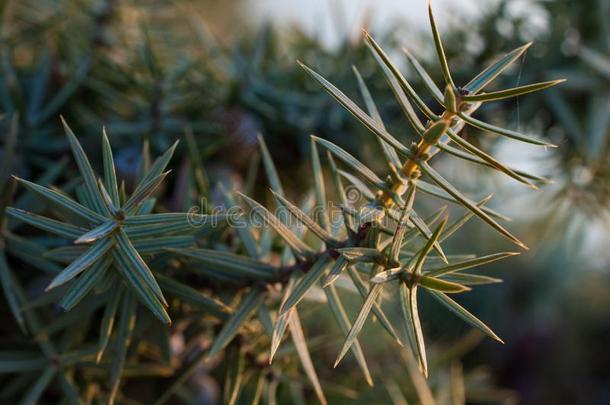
(226, 71)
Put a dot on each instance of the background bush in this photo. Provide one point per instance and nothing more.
(148, 76)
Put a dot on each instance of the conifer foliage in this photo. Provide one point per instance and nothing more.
(130, 279)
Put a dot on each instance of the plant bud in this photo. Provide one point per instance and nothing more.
(435, 131)
(450, 100)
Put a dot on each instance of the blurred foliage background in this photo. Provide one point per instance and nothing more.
(153, 70)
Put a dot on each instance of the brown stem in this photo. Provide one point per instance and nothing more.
(410, 168)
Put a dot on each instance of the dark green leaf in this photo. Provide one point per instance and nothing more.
(448, 187)
(270, 170)
(30, 253)
(514, 92)
(335, 271)
(464, 314)
(596, 60)
(86, 171)
(242, 228)
(152, 246)
(110, 181)
(62, 201)
(410, 311)
(467, 264)
(388, 275)
(97, 233)
(441, 285)
(492, 71)
(73, 83)
(7, 281)
(425, 77)
(21, 361)
(107, 199)
(361, 254)
(360, 319)
(126, 326)
(230, 263)
(334, 302)
(471, 279)
(137, 264)
(139, 286)
(502, 131)
(370, 123)
(264, 317)
(420, 385)
(389, 152)
(440, 52)
(312, 276)
(451, 229)
(298, 246)
(65, 254)
(305, 220)
(188, 294)
(424, 224)
(170, 223)
(423, 229)
(158, 166)
(249, 303)
(359, 185)
(143, 192)
(298, 338)
(85, 283)
(517, 174)
(108, 321)
(438, 192)
(46, 224)
(401, 227)
(95, 253)
(201, 177)
(351, 161)
(340, 190)
(318, 181)
(35, 391)
(493, 162)
(428, 247)
(398, 83)
(435, 131)
(281, 323)
(377, 310)
(234, 380)
(9, 154)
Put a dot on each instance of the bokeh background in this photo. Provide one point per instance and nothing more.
(149, 70)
